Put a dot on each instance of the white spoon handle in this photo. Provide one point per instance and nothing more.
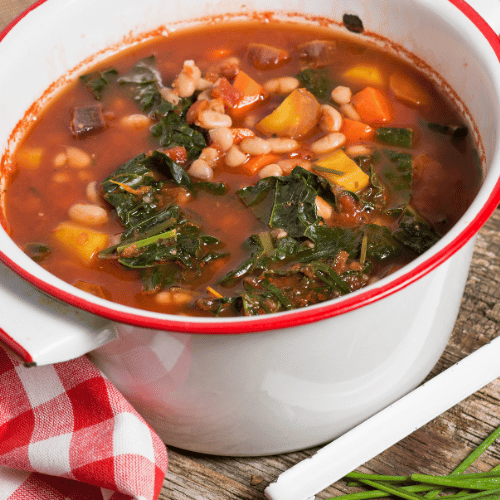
(389, 426)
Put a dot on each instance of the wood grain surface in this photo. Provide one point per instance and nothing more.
(435, 448)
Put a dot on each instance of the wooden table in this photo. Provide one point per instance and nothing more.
(434, 449)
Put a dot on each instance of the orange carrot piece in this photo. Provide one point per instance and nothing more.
(356, 131)
(372, 105)
(255, 163)
(252, 92)
(241, 133)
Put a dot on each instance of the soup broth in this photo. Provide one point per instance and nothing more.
(240, 169)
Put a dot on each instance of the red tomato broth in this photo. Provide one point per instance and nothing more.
(36, 204)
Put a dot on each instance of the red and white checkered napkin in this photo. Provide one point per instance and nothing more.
(67, 433)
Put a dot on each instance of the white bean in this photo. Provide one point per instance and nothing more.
(324, 209)
(92, 192)
(222, 137)
(331, 119)
(271, 170)
(212, 119)
(281, 85)
(204, 95)
(167, 297)
(186, 80)
(341, 95)
(255, 146)
(350, 112)
(201, 169)
(203, 84)
(60, 160)
(235, 157)
(328, 143)
(92, 215)
(358, 150)
(210, 155)
(281, 145)
(61, 177)
(135, 122)
(170, 95)
(77, 158)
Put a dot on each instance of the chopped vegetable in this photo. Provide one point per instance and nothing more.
(356, 131)
(297, 115)
(315, 81)
(252, 94)
(37, 251)
(29, 158)
(365, 73)
(408, 90)
(372, 105)
(81, 241)
(229, 94)
(394, 136)
(341, 170)
(255, 163)
(97, 81)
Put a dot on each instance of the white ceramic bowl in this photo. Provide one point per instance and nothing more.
(252, 386)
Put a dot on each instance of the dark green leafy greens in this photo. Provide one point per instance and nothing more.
(315, 81)
(287, 202)
(98, 81)
(402, 137)
(144, 84)
(161, 242)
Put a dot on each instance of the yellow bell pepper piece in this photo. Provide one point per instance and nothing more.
(341, 170)
(408, 90)
(365, 73)
(294, 117)
(80, 241)
(29, 158)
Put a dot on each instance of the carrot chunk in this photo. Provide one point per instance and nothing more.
(356, 131)
(372, 105)
(252, 94)
(255, 163)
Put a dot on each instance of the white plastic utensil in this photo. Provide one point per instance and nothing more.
(389, 426)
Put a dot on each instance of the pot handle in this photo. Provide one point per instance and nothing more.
(42, 330)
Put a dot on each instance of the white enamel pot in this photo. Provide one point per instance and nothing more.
(253, 386)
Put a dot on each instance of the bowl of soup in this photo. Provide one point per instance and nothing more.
(258, 218)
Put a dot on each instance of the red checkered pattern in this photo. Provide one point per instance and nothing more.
(67, 433)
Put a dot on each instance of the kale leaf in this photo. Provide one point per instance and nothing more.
(287, 202)
(97, 81)
(315, 81)
(414, 232)
(144, 83)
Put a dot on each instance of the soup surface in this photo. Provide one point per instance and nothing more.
(239, 170)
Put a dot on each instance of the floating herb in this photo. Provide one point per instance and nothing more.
(98, 81)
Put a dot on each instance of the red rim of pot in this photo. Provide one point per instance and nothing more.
(280, 320)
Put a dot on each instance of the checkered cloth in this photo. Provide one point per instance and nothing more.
(67, 433)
